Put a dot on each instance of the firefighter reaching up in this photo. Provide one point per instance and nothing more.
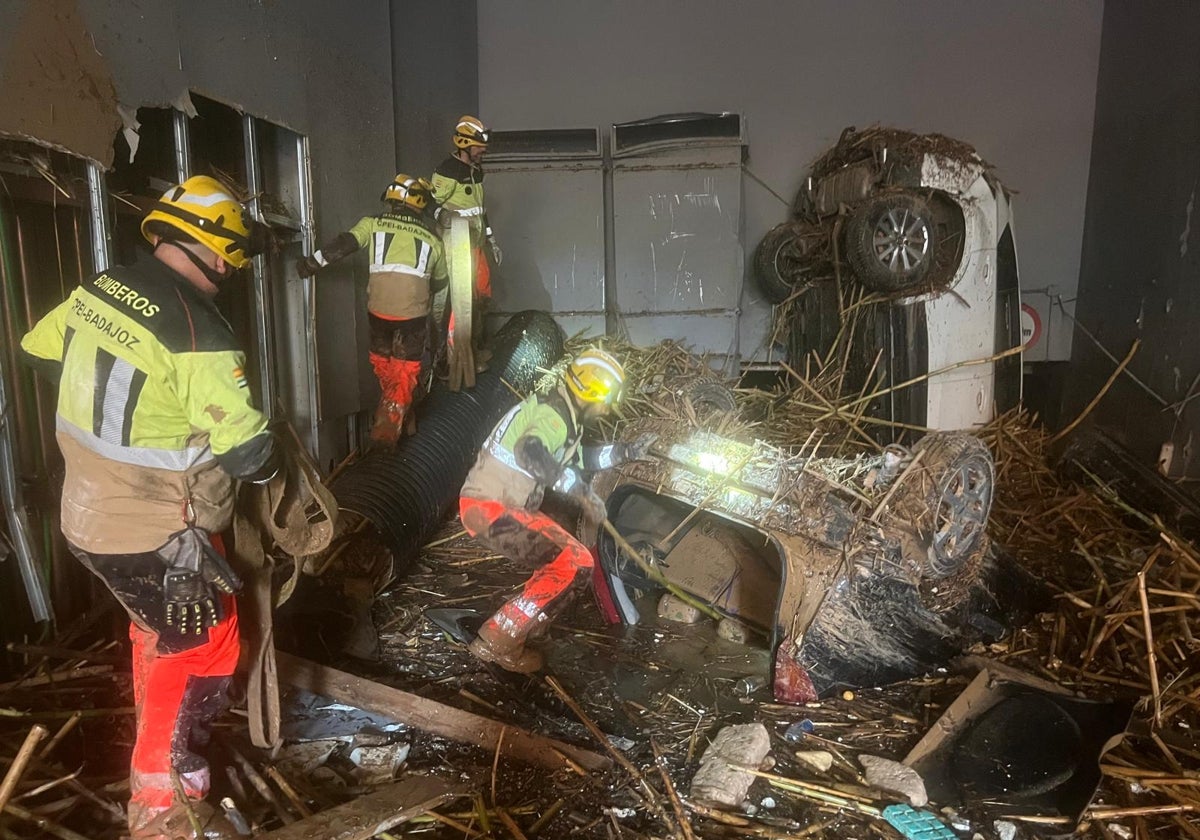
(155, 424)
(535, 446)
(406, 268)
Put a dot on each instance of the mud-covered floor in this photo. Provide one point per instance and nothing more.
(658, 684)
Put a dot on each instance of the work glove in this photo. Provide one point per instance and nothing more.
(196, 574)
(594, 509)
(533, 457)
(307, 266)
(638, 449)
(497, 254)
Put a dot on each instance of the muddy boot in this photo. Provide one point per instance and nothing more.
(385, 430)
(494, 645)
(175, 823)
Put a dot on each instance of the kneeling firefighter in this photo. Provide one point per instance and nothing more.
(155, 424)
(536, 445)
(407, 265)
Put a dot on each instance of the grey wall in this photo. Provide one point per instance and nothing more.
(436, 75)
(319, 68)
(1016, 79)
(1141, 253)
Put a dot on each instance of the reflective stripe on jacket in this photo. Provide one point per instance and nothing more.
(458, 187)
(405, 257)
(153, 408)
(497, 475)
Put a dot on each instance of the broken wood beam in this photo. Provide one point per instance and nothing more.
(372, 814)
(434, 717)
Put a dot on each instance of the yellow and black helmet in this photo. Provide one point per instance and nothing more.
(203, 210)
(595, 376)
(415, 193)
(470, 132)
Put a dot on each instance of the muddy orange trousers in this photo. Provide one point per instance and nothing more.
(532, 539)
(180, 685)
(397, 346)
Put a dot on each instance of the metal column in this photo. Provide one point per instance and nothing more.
(101, 221)
(183, 146)
(309, 289)
(262, 322)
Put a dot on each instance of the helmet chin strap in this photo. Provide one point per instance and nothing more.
(211, 274)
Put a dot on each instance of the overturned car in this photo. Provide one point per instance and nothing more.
(918, 230)
(858, 572)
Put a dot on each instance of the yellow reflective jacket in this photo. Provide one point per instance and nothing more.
(551, 418)
(458, 187)
(154, 415)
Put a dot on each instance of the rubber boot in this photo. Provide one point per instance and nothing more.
(175, 823)
(494, 645)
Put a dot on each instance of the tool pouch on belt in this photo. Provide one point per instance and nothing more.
(292, 514)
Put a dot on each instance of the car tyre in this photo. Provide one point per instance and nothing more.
(949, 500)
(890, 242)
(779, 261)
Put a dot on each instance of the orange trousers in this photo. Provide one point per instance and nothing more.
(530, 538)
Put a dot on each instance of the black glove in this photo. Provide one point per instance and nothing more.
(533, 457)
(636, 450)
(195, 573)
(307, 266)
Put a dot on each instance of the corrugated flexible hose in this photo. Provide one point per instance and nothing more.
(407, 492)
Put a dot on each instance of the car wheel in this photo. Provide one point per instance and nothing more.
(950, 500)
(890, 242)
(708, 397)
(780, 261)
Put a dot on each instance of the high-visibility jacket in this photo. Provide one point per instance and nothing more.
(496, 475)
(458, 188)
(154, 416)
(407, 262)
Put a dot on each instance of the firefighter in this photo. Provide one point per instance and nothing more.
(536, 445)
(155, 424)
(458, 190)
(407, 267)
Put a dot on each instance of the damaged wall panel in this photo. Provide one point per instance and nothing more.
(58, 89)
(305, 64)
(1141, 248)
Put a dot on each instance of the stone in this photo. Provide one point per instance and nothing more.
(671, 608)
(894, 777)
(733, 630)
(818, 760)
(717, 784)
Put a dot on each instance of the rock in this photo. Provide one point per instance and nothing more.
(894, 777)
(671, 608)
(1005, 830)
(718, 785)
(733, 630)
(818, 760)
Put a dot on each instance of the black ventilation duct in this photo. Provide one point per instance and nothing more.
(406, 493)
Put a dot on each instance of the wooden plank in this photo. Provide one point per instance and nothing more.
(376, 812)
(436, 718)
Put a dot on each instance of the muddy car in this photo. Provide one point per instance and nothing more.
(919, 226)
(857, 572)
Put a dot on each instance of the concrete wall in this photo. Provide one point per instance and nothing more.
(1141, 251)
(436, 75)
(1015, 79)
(319, 68)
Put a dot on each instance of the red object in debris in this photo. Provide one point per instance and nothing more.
(792, 683)
(604, 596)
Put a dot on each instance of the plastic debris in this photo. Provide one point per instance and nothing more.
(917, 825)
(716, 783)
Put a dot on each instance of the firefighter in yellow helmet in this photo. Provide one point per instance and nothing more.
(156, 425)
(406, 268)
(458, 190)
(535, 446)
